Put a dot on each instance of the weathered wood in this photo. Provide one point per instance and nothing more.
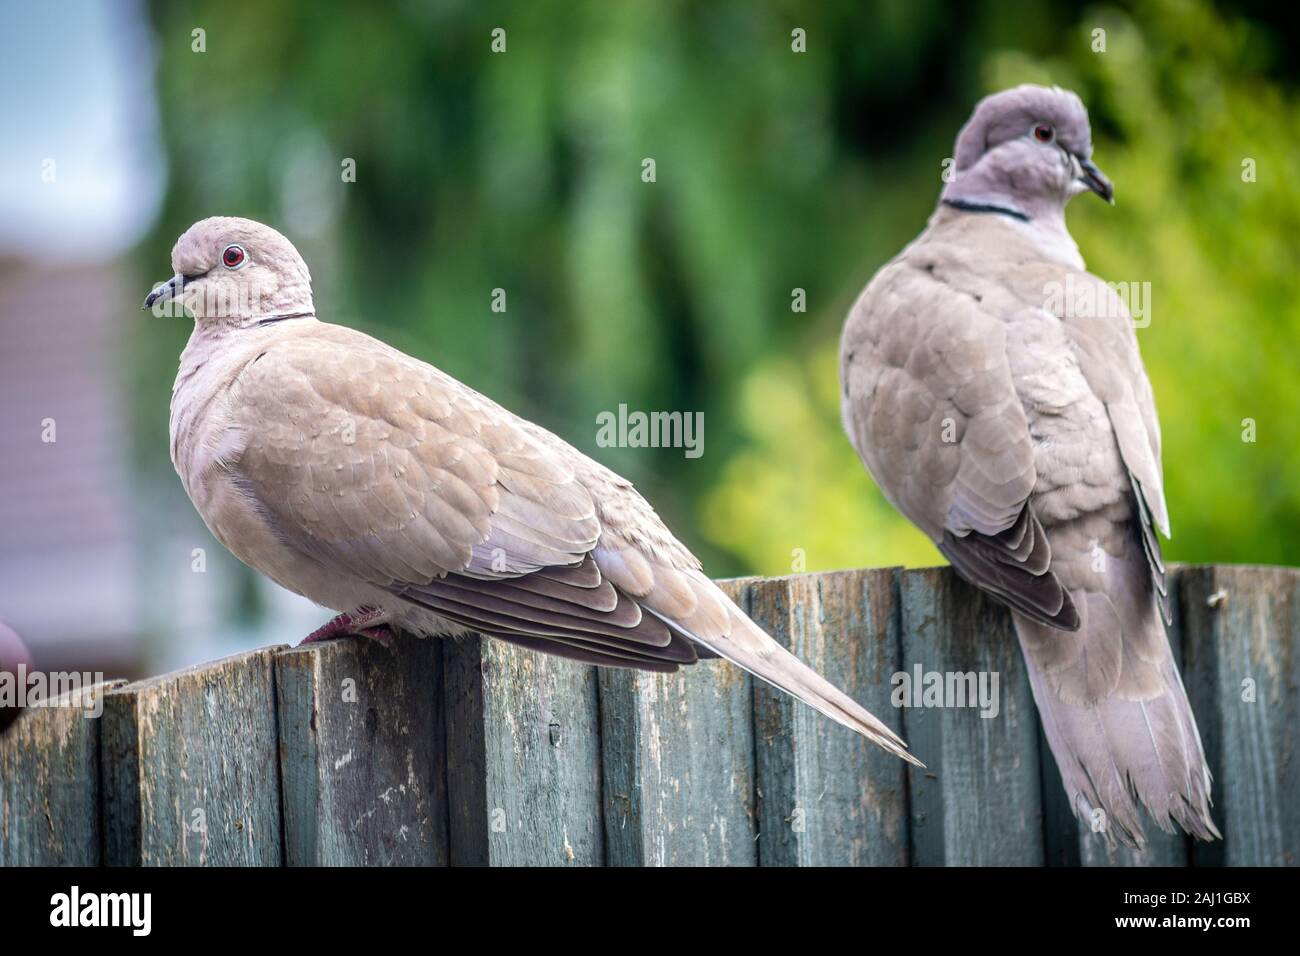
(979, 801)
(678, 764)
(363, 753)
(546, 763)
(1063, 834)
(523, 757)
(827, 796)
(49, 782)
(190, 775)
(1242, 673)
(1069, 841)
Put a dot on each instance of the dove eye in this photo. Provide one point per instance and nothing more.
(1044, 133)
(234, 256)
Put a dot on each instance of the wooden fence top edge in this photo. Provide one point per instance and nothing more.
(149, 683)
(121, 688)
(832, 572)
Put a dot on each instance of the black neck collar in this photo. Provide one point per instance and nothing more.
(270, 319)
(967, 206)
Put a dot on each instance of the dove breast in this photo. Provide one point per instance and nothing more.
(963, 392)
(209, 431)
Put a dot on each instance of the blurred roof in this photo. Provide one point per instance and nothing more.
(65, 539)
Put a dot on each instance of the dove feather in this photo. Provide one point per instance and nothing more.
(361, 477)
(995, 390)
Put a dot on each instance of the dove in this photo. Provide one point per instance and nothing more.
(994, 390)
(377, 486)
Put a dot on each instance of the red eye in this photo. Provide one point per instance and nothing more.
(1043, 133)
(233, 257)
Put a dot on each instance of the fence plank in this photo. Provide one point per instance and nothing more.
(979, 801)
(1243, 672)
(49, 783)
(190, 769)
(828, 797)
(523, 757)
(363, 753)
(678, 764)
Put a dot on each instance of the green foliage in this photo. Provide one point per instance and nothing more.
(1177, 108)
(774, 170)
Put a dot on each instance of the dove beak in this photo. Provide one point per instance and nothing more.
(1096, 180)
(168, 290)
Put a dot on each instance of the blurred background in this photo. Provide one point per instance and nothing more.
(775, 171)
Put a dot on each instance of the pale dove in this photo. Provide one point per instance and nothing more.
(376, 485)
(995, 391)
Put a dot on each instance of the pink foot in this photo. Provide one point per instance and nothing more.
(381, 633)
(365, 621)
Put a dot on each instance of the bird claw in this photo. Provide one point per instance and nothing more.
(365, 622)
(382, 633)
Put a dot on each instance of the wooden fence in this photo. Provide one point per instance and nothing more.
(475, 752)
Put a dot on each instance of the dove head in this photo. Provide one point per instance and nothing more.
(1026, 152)
(236, 272)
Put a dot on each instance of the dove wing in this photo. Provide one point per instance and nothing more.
(1104, 340)
(932, 408)
(379, 466)
(1113, 706)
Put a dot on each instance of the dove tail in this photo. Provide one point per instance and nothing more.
(748, 646)
(1134, 743)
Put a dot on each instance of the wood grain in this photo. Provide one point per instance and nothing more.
(678, 764)
(190, 770)
(979, 801)
(363, 753)
(828, 797)
(1242, 628)
(523, 757)
(49, 782)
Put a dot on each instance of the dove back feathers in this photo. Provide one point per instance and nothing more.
(995, 391)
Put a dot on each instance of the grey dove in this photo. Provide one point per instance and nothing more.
(995, 391)
(376, 485)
